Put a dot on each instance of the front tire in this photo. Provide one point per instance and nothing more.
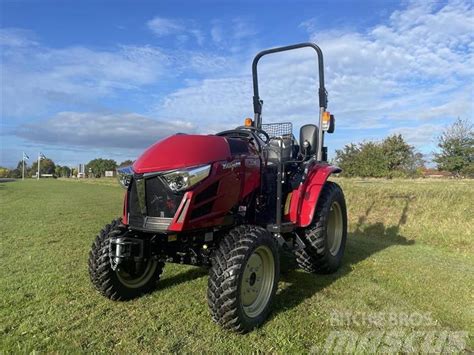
(243, 278)
(127, 281)
(325, 238)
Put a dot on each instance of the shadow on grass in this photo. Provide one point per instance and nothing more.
(3, 181)
(189, 275)
(365, 241)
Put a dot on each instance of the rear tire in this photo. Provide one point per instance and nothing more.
(243, 278)
(119, 284)
(325, 238)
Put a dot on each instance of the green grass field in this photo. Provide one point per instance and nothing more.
(410, 249)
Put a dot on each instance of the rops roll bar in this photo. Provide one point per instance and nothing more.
(323, 99)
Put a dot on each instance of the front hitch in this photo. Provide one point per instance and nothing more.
(121, 248)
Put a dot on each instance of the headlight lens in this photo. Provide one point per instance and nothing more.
(124, 176)
(181, 180)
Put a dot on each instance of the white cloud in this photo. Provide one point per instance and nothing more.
(165, 27)
(423, 136)
(37, 77)
(101, 130)
(162, 27)
(216, 104)
(16, 37)
(217, 33)
(242, 28)
(72, 77)
(198, 35)
(235, 35)
(413, 70)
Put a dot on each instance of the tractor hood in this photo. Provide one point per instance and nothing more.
(180, 151)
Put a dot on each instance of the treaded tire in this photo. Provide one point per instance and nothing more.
(316, 257)
(105, 279)
(226, 274)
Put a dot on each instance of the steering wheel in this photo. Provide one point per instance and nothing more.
(245, 132)
(260, 132)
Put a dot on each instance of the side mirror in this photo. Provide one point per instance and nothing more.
(332, 124)
(309, 138)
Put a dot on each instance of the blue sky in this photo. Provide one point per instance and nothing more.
(90, 79)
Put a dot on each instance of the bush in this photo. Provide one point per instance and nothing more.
(392, 157)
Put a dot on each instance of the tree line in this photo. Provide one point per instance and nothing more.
(95, 168)
(393, 157)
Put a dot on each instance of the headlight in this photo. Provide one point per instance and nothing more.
(124, 176)
(180, 180)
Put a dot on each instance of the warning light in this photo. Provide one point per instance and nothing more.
(326, 121)
(248, 122)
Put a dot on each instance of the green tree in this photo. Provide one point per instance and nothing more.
(99, 166)
(401, 158)
(456, 144)
(65, 171)
(62, 171)
(346, 159)
(16, 173)
(396, 152)
(47, 166)
(57, 171)
(4, 172)
(371, 161)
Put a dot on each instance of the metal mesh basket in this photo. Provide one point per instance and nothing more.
(278, 129)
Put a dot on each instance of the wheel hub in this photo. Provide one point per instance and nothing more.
(335, 228)
(134, 277)
(257, 281)
(252, 279)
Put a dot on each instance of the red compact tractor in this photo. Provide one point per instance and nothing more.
(233, 202)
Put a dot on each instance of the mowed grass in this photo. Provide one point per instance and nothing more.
(410, 249)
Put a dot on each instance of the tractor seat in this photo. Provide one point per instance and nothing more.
(280, 149)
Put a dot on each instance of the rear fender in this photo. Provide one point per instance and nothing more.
(305, 198)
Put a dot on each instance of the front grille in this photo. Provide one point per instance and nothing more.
(158, 203)
(150, 223)
(160, 200)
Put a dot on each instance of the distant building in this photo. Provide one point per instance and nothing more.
(81, 171)
(109, 173)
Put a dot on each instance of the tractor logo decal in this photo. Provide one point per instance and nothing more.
(231, 165)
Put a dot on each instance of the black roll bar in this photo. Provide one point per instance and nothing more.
(279, 227)
(257, 103)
